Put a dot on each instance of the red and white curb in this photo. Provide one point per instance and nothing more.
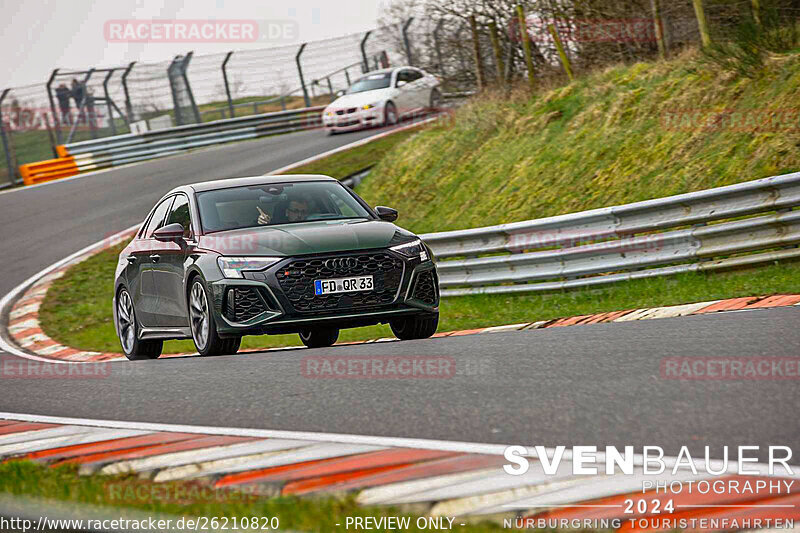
(441, 478)
(29, 340)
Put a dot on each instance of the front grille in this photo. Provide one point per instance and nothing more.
(242, 304)
(351, 110)
(340, 111)
(424, 288)
(296, 280)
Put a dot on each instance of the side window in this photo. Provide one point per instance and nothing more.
(158, 218)
(403, 75)
(180, 214)
(414, 75)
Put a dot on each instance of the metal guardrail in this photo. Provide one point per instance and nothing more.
(129, 148)
(625, 242)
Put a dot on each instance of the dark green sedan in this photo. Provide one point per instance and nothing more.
(301, 254)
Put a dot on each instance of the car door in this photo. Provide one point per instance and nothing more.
(141, 280)
(417, 89)
(405, 98)
(167, 263)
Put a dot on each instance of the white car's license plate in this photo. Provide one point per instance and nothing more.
(332, 286)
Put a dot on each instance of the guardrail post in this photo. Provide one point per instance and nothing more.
(702, 24)
(300, 74)
(108, 102)
(128, 106)
(12, 169)
(561, 52)
(227, 86)
(364, 50)
(498, 53)
(658, 26)
(476, 52)
(438, 46)
(407, 42)
(526, 44)
(184, 69)
(56, 117)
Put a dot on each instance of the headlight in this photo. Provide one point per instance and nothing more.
(368, 106)
(232, 267)
(412, 249)
(329, 113)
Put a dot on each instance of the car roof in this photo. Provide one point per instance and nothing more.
(255, 180)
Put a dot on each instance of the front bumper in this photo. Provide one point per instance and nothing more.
(355, 120)
(280, 299)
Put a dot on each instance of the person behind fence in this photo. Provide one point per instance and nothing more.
(77, 95)
(63, 96)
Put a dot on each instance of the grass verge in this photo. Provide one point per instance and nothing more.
(77, 311)
(195, 499)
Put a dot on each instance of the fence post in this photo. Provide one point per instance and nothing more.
(347, 77)
(184, 69)
(88, 99)
(57, 117)
(12, 169)
(526, 44)
(701, 22)
(300, 73)
(561, 52)
(476, 52)
(498, 53)
(330, 88)
(128, 106)
(658, 25)
(756, 11)
(176, 104)
(108, 102)
(227, 86)
(406, 41)
(364, 51)
(438, 46)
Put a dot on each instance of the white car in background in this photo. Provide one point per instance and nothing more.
(382, 97)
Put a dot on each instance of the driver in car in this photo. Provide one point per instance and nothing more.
(296, 211)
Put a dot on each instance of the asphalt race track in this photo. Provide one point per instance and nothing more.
(583, 385)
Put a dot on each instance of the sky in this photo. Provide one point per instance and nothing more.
(40, 35)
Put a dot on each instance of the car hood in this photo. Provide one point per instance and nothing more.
(306, 238)
(359, 99)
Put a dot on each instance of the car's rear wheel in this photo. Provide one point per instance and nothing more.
(435, 100)
(204, 329)
(390, 114)
(319, 337)
(133, 347)
(416, 327)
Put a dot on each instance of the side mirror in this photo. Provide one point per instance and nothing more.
(339, 93)
(400, 83)
(170, 232)
(386, 213)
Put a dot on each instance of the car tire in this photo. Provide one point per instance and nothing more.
(232, 345)
(319, 337)
(127, 327)
(416, 327)
(435, 102)
(201, 321)
(389, 114)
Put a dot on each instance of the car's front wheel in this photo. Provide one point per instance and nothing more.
(133, 347)
(416, 327)
(389, 114)
(204, 329)
(319, 337)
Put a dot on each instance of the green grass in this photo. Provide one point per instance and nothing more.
(192, 499)
(78, 312)
(596, 142)
(343, 164)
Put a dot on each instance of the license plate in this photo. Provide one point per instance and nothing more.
(332, 286)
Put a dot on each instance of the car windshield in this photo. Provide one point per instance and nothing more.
(371, 82)
(271, 204)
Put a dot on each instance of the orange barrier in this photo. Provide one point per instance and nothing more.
(52, 169)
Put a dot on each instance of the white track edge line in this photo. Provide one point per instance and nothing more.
(5, 344)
